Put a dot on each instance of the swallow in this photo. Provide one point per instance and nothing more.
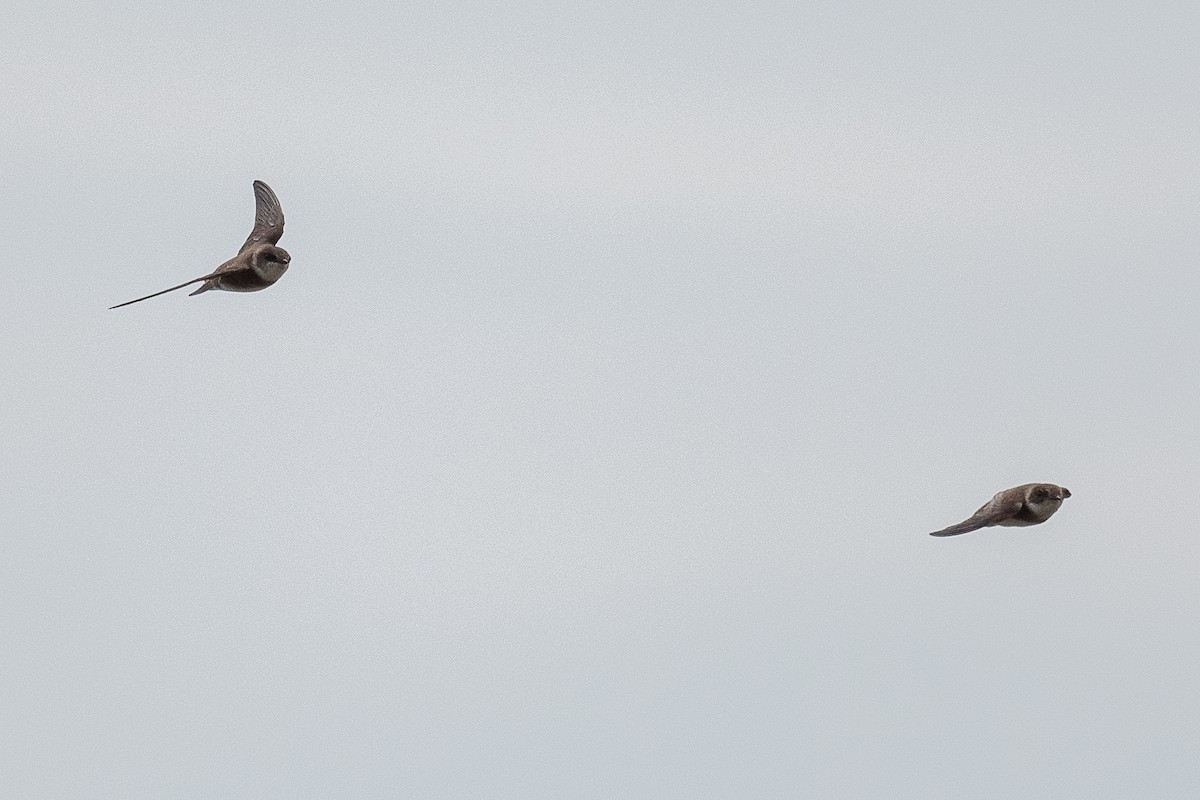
(1020, 506)
(257, 265)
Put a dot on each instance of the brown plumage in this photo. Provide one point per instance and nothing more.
(1029, 504)
(258, 264)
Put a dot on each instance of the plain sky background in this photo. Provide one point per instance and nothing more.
(589, 447)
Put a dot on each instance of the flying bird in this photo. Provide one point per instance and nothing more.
(1019, 506)
(258, 264)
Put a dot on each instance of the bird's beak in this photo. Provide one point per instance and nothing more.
(1066, 493)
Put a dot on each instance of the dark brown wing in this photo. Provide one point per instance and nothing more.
(156, 294)
(268, 217)
(235, 270)
(1000, 507)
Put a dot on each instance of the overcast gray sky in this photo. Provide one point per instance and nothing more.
(589, 447)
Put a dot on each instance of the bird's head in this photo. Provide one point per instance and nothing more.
(1047, 494)
(270, 262)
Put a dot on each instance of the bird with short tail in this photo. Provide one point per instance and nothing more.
(1030, 504)
(257, 265)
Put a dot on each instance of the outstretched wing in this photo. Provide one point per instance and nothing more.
(1000, 507)
(156, 294)
(268, 217)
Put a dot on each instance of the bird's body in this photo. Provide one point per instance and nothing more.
(258, 264)
(1029, 504)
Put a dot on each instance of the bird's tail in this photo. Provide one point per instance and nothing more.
(203, 288)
